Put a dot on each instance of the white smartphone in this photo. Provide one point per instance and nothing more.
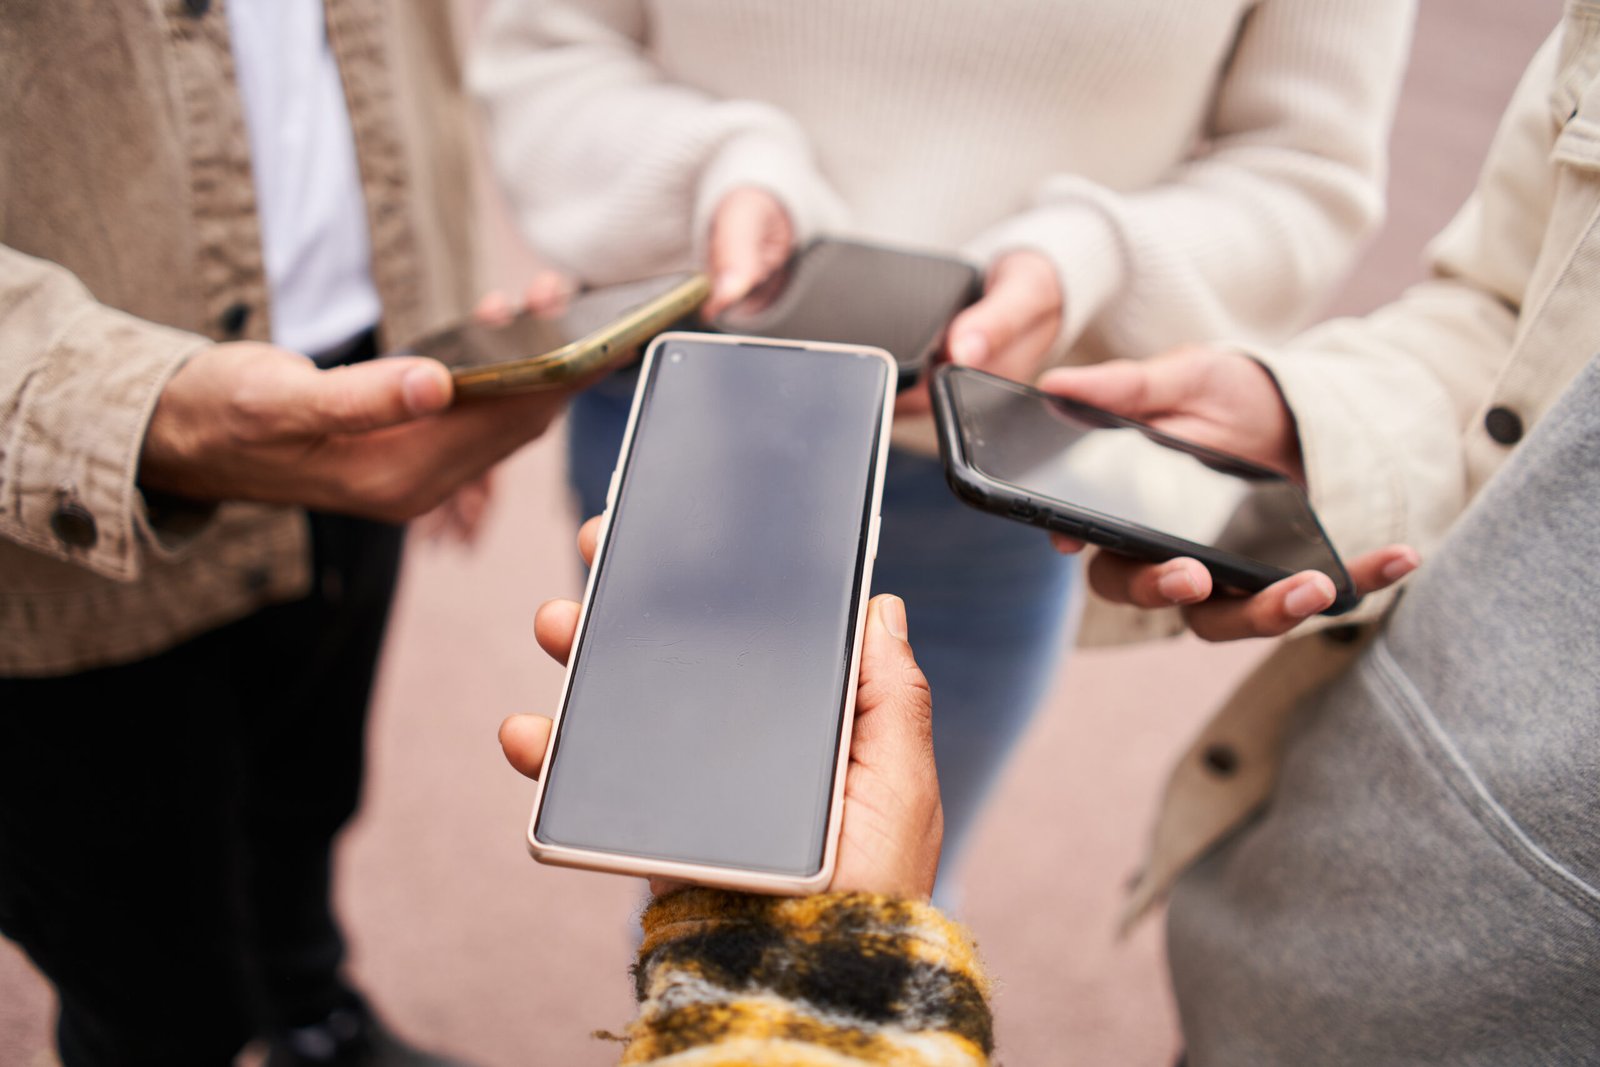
(704, 728)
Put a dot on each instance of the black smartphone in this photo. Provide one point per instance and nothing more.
(1045, 460)
(704, 728)
(599, 328)
(851, 292)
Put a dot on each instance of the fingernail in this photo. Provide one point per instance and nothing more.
(969, 348)
(1399, 567)
(892, 611)
(425, 389)
(1178, 586)
(1307, 599)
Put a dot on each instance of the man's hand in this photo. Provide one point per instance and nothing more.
(1226, 401)
(893, 821)
(751, 236)
(461, 516)
(248, 421)
(1009, 332)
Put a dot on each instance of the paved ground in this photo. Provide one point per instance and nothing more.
(469, 945)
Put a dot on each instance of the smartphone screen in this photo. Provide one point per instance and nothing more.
(854, 293)
(471, 345)
(708, 685)
(1104, 467)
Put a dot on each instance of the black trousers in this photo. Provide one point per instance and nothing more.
(166, 826)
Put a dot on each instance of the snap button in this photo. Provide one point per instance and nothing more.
(1221, 760)
(234, 319)
(73, 525)
(1504, 425)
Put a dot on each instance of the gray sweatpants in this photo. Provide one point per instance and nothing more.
(1425, 885)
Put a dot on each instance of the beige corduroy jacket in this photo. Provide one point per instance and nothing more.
(129, 240)
(1405, 415)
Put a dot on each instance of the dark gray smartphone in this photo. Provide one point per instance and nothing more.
(1119, 484)
(852, 292)
(704, 728)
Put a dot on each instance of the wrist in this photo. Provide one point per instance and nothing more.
(175, 437)
(1284, 427)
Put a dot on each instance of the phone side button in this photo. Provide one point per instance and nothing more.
(872, 536)
(1103, 538)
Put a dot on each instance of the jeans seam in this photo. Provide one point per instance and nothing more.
(1435, 746)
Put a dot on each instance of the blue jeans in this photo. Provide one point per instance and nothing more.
(987, 600)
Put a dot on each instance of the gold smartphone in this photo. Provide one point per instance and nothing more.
(704, 728)
(599, 328)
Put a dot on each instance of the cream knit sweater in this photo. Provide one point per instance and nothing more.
(1195, 169)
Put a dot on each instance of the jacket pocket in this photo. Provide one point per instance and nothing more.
(1522, 843)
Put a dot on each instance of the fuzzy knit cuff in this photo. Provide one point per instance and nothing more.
(839, 979)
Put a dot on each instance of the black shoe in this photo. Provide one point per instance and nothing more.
(351, 1036)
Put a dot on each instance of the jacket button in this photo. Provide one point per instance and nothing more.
(74, 526)
(234, 319)
(1504, 425)
(196, 8)
(1221, 760)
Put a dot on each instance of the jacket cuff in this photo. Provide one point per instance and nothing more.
(840, 978)
(1360, 471)
(1081, 242)
(774, 157)
(68, 486)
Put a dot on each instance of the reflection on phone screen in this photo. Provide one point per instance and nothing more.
(853, 293)
(709, 682)
(528, 336)
(1095, 463)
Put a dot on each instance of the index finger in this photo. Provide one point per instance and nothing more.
(524, 739)
(1272, 612)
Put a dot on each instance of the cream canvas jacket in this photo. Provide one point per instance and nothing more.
(1404, 415)
(128, 241)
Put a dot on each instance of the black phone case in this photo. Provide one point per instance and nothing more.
(1112, 534)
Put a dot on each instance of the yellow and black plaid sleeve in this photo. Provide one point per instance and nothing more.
(836, 980)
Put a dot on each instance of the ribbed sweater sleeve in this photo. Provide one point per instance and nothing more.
(841, 979)
(1243, 239)
(613, 171)
(1195, 172)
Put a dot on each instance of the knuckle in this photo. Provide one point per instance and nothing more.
(255, 412)
(339, 402)
(1265, 620)
(384, 491)
(1208, 624)
(1109, 580)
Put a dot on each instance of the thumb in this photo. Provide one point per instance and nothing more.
(1138, 389)
(1006, 311)
(742, 249)
(369, 396)
(893, 694)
